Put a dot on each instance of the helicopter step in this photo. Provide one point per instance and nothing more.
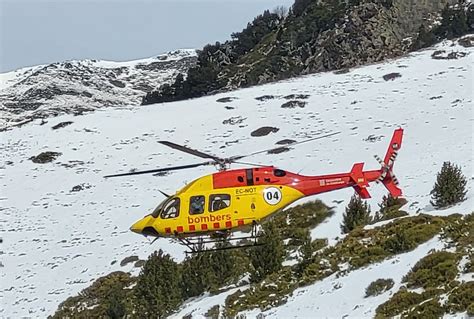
(222, 240)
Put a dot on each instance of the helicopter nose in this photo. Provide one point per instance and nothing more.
(140, 225)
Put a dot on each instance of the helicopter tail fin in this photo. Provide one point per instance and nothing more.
(387, 177)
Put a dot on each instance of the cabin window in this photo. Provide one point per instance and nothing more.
(218, 202)
(279, 173)
(196, 205)
(170, 209)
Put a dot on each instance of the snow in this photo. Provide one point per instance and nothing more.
(200, 305)
(56, 242)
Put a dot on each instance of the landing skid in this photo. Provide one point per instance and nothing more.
(198, 244)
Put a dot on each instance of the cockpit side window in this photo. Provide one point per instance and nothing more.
(170, 209)
(196, 205)
(218, 202)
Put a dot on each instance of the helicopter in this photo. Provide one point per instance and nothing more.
(211, 208)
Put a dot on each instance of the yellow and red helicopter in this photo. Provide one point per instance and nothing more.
(212, 207)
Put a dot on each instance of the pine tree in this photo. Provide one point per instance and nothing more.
(158, 290)
(197, 275)
(450, 186)
(267, 258)
(357, 214)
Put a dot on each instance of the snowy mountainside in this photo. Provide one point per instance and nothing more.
(58, 238)
(78, 86)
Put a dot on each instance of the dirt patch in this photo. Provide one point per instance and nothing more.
(45, 157)
(294, 103)
(61, 125)
(264, 131)
(392, 76)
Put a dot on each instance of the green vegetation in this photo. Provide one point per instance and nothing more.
(357, 214)
(378, 287)
(158, 292)
(450, 186)
(267, 258)
(437, 269)
(108, 297)
(213, 312)
(436, 274)
(389, 208)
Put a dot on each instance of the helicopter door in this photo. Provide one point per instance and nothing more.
(249, 176)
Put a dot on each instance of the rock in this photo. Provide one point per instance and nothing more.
(443, 55)
(226, 99)
(264, 98)
(467, 41)
(264, 131)
(293, 104)
(391, 76)
(234, 120)
(117, 83)
(45, 157)
(61, 125)
(128, 260)
(285, 142)
(297, 96)
(278, 150)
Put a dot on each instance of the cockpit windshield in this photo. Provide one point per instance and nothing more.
(169, 208)
(158, 209)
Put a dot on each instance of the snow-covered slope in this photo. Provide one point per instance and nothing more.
(78, 86)
(56, 241)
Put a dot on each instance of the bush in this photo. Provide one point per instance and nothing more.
(378, 287)
(461, 298)
(433, 270)
(404, 301)
(357, 214)
(450, 186)
(389, 208)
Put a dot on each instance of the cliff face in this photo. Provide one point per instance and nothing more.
(369, 32)
(318, 36)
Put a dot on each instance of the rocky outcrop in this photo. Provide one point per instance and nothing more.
(79, 86)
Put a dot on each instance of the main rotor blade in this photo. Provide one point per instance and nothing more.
(278, 148)
(173, 168)
(190, 151)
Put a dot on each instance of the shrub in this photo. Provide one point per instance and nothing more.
(108, 296)
(461, 298)
(433, 270)
(404, 301)
(378, 287)
(450, 186)
(213, 312)
(428, 309)
(357, 214)
(389, 208)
